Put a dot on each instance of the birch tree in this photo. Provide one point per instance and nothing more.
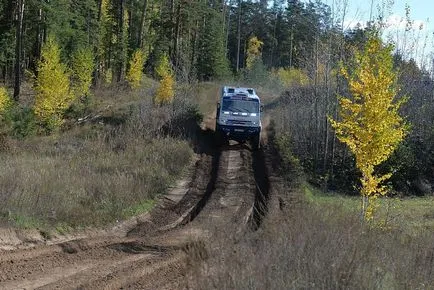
(369, 123)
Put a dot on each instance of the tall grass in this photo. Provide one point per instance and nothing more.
(311, 247)
(309, 240)
(96, 172)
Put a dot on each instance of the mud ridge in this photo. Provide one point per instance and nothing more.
(209, 189)
(228, 188)
(262, 183)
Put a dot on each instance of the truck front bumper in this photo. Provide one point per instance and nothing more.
(239, 133)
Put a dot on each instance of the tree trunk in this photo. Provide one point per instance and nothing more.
(121, 57)
(18, 48)
(239, 36)
(291, 48)
(317, 137)
(38, 43)
(142, 24)
(176, 35)
(228, 27)
(99, 59)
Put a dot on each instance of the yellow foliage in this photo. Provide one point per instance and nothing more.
(53, 95)
(108, 76)
(163, 67)
(292, 77)
(165, 91)
(82, 68)
(135, 72)
(5, 100)
(371, 126)
(253, 51)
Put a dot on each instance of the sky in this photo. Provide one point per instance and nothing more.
(416, 43)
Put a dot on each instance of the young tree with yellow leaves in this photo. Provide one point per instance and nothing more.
(253, 51)
(135, 71)
(82, 69)
(5, 100)
(165, 91)
(52, 86)
(370, 124)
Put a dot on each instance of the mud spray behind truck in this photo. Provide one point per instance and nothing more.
(239, 116)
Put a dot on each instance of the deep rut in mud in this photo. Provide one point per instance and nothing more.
(228, 190)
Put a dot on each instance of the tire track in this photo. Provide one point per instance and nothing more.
(228, 191)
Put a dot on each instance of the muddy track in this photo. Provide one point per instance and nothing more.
(228, 190)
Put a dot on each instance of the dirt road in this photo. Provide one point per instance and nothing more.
(227, 189)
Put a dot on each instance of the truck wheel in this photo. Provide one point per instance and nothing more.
(219, 136)
(256, 141)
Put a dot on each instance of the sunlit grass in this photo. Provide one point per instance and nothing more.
(412, 214)
(96, 172)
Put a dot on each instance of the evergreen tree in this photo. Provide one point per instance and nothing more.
(212, 62)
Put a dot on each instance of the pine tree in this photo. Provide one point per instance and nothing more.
(370, 124)
(212, 61)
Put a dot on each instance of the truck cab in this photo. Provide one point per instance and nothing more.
(239, 115)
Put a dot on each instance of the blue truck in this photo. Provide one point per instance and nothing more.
(239, 116)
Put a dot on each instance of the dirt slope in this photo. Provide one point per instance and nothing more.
(227, 190)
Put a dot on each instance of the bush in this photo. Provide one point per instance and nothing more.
(23, 122)
(80, 107)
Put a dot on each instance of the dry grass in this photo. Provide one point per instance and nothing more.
(309, 240)
(105, 169)
(311, 247)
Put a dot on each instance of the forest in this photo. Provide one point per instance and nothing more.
(297, 48)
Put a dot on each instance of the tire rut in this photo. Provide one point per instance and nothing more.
(228, 190)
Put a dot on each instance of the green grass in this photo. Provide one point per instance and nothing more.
(139, 208)
(412, 215)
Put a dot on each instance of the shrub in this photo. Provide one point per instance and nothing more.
(23, 122)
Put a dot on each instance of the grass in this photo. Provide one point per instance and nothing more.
(96, 172)
(412, 215)
(318, 244)
(317, 241)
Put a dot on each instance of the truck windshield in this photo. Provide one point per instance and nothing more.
(240, 106)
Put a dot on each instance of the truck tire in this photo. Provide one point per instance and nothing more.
(256, 141)
(219, 136)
